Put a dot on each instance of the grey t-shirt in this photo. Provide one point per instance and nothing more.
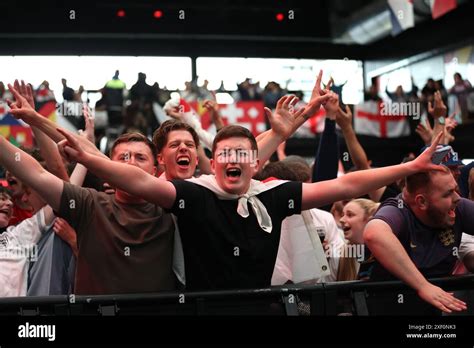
(123, 248)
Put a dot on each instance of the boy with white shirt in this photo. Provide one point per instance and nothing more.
(18, 243)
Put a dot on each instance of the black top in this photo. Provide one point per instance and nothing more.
(432, 250)
(221, 248)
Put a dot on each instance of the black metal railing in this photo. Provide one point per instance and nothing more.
(341, 298)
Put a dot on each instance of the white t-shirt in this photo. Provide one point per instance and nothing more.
(298, 259)
(467, 245)
(17, 247)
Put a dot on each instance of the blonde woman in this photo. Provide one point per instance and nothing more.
(352, 258)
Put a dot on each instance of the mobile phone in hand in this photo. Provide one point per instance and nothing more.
(440, 153)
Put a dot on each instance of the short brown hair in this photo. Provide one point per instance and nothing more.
(234, 131)
(5, 193)
(422, 180)
(278, 170)
(160, 137)
(133, 137)
(285, 170)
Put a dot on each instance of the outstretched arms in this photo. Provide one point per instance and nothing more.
(29, 171)
(23, 110)
(48, 149)
(359, 183)
(388, 250)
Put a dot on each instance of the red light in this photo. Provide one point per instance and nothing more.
(157, 14)
(121, 13)
(279, 17)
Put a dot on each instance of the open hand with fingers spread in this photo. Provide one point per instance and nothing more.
(286, 119)
(25, 91)
(21, 107)
(88, 132)
(441, 299)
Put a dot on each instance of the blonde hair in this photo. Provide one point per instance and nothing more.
(348, 269)
(368, 206)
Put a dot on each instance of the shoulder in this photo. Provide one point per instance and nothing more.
(322, 216)
(285, 189)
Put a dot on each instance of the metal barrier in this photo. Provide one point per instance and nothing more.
(341, 298)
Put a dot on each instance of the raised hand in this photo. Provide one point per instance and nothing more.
(213, 109)
(319, 96)
(174, 113)
(423, 161)
(317, 90)
(21, 108)
(88, 132)
(25, 91)
(332, 105)
(285, 120)
(210, 105)
(425, 131)
(344, 119)
(439, 109)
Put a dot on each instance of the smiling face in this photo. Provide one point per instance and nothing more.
(353, 221)
(234, 164)
(6, 208)
(179, 155)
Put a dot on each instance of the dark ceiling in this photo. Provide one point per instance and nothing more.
(221, 28)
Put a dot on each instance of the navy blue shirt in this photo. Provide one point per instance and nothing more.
(432, 250)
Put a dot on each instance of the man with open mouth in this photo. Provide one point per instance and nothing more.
(227, 244)
(419, 234)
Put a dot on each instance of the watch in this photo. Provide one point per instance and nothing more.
(441, 120)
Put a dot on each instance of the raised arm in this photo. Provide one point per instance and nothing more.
(388, 250)
(125, 177)
(359, 183)
(29, 171)
(327, 156)
(47, 147)
(438, 112)
(286, 120)
(356, 151)
(22, 110)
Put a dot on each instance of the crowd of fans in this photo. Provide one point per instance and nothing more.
(164, 215)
